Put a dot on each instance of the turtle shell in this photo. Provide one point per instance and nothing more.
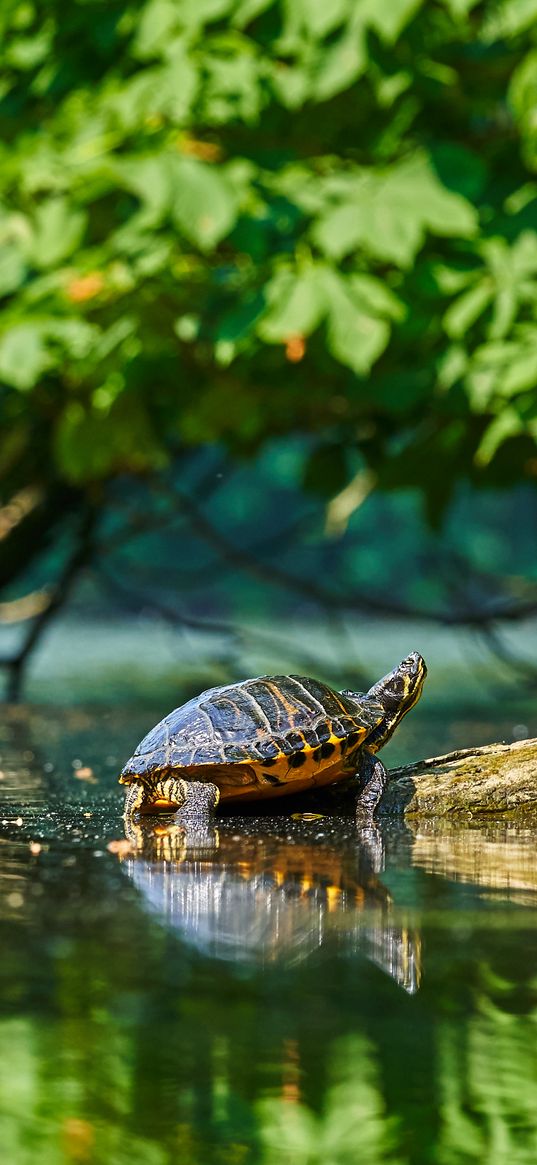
(259, 738)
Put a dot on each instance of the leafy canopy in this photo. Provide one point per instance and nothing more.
(227, 219)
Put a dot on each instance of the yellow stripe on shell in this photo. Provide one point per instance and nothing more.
(311, 748)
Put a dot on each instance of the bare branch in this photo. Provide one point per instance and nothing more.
(137, 600)
(27, 607)
(78, 558)
(17, 508)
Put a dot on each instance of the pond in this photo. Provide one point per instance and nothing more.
(266, 989)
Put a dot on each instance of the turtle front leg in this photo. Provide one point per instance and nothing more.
(193, 799)
(133, 800)
(165, 795)
(373, 778)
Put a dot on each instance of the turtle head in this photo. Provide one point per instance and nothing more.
(397, 693)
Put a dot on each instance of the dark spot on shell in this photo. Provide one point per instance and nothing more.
(268, 761)
(353, 738)
(327, 749)
(271, 779)
(296, 760)
(323, 732)
(317, 753)
(295, 740)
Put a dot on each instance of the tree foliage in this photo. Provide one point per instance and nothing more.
(232, 219)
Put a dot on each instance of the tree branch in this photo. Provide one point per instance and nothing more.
(80, 555)
(246, 561)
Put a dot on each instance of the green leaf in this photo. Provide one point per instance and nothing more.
(179, 84)
(291, 84)
(450, 280)
(12, 268)
(460, 8)
(109, 341)
(390, 19)
(341, 230)
(168, 89)
(149, 176)
(356, 336)
(339, 65)
(296, 305)
(376, 296)
(466, 309)
(500, 371)
(313, 16)
(58, 230)
(204, 203)
(77, 337)
(507, 424)
(232, 89)
(28, 51)
(503, 312)
(521, 371)
(508, 19)
(444, 212)
(157, 24)
(388, 213)
(524, 254)
(523, 99)
(247, 10)
(23, 355)
(452, 365)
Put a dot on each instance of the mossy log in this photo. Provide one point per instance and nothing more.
(498, 779)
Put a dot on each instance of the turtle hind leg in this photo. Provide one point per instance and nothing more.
(200, 800)
(373, 780)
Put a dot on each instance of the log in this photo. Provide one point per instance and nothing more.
(496, 780)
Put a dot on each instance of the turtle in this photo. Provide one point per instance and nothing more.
(267, 737)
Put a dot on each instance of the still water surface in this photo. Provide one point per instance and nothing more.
(265, 990)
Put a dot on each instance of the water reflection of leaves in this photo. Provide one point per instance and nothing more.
(353, 1124)
(171, 1058)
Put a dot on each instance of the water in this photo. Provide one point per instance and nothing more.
(268, 989)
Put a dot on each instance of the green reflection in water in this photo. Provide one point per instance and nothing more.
(124, 1038)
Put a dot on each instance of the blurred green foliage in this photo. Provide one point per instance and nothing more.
(229, 219)
(104, 1066)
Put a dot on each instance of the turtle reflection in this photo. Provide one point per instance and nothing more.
(256, 897)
